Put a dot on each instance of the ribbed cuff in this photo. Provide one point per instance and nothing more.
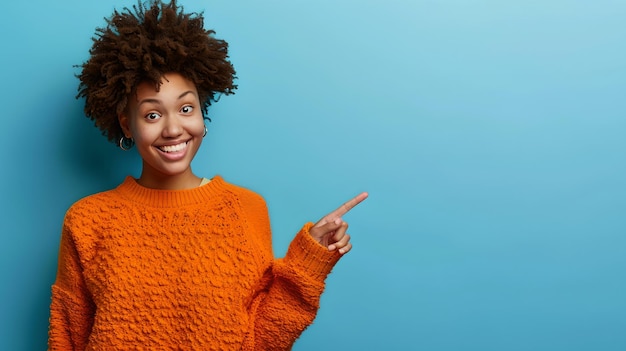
(308, 256)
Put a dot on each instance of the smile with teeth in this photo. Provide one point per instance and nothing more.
(173, 148)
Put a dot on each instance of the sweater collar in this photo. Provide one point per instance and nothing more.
(136, 193)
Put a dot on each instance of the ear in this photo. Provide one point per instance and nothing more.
(125, 124)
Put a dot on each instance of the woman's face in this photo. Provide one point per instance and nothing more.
(167, 126)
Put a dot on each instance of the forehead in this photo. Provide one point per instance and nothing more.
(172, 85)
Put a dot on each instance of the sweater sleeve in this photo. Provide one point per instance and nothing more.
(292, 300)
(72, 309)
(289, 299)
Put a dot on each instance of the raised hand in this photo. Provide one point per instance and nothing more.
(331, 230)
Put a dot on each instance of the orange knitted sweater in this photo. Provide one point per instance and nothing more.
(145, 269)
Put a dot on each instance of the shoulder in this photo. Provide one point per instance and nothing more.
(241, 191)
(247, 198)
(89, 206)
(85, 220)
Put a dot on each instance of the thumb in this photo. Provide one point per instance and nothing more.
(320, 229)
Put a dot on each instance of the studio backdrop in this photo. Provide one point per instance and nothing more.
(489, 134)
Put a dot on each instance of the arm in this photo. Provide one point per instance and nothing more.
(71, 310)
(290, 301)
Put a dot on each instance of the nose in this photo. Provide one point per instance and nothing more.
(173, 127)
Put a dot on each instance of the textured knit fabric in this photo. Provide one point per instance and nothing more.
(146, 269)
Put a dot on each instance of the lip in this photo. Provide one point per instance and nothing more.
(173, 155)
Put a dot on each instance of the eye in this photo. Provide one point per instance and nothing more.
(186, 109)
(152, 116)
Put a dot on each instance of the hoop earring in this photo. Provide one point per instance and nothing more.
(205, 131)
(126, 143)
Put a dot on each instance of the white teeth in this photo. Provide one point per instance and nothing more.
(173, 148)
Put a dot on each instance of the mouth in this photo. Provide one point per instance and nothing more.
(173, 148)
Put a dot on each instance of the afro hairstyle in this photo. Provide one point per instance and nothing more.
(142, 45)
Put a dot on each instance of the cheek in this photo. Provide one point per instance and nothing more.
(144, 134)
(196, 128)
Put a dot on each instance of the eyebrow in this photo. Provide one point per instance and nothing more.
(157, 101)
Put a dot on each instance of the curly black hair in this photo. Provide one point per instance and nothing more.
(142, 45)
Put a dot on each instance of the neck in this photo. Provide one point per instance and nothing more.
(185, 180)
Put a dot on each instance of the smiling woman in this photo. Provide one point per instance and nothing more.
(491, 134)
(171, 260)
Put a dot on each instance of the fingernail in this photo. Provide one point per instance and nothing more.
(338, 221)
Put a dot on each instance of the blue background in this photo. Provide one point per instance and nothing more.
(490, 135)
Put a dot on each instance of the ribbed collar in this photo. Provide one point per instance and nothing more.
(134, 192)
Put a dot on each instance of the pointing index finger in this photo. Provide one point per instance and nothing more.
(343, 209)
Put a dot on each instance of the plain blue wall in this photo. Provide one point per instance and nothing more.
(490, 135)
